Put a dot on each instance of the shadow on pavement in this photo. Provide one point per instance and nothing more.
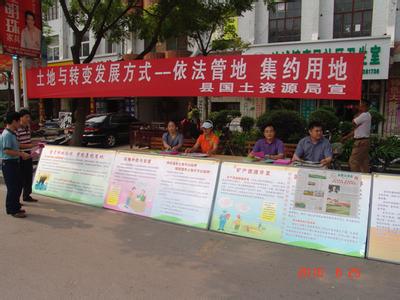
(58, 222)
(62, 206)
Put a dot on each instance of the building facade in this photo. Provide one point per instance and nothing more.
(327, 26)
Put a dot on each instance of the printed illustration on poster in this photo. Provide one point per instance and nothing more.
(74, 174)
(317, 209)
(172, 189)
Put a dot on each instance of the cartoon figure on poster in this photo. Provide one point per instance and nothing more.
(223, 218)
(237, 223)
(136, 201)
(30, 35)
(241, 211)
(42, 182)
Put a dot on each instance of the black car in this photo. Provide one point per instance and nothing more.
(108, 129)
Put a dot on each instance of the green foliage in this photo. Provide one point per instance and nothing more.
(328, 108)
(47, 32)
(208, 23)
(247, 123)
(377, 117)
(347, 148)
(236, 144)
(289, 125)
(194, 114)
(326, 117)
(222, 118)
(384, 150)
(228, 39)
(345, 127)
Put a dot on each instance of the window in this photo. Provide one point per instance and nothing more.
(53, 49)
(112, 47)
(85, 46)
(218, 106)
(285, 22)
(352, 18)
(179, 43)
(52, 12)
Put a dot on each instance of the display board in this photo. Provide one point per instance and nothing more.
(384, 231)
(311, 208)
(74, 174)
(174, 189)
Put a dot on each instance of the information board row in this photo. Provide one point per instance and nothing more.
(311, 208)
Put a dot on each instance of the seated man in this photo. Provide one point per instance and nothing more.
(315, 147)
(207, 142)
(270, 147)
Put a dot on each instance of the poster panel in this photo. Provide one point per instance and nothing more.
(174, 189)
(21, 27)
(74, 174)
(384, 231)
(317, 209)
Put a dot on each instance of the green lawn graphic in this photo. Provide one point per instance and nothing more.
(176, 220)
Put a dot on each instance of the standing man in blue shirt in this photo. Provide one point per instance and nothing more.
(315, 147)
(10, 155)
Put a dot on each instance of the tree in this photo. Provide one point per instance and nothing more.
(102, 18)
(115, 19)
(209, 24)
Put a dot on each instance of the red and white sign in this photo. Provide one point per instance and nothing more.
(310, 76)
(21, 27)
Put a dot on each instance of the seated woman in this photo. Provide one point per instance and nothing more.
(269, 147)
(172, 140)
(207, 142)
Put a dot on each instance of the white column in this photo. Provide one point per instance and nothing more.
(309, 20)
(397, 23)
(261, 19)
(327, 10)
(380, 16)
(24, 83)
(17, 99)
(246, 26)
(391, 24)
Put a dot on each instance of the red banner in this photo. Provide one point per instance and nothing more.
(20, 27)
(309, 76)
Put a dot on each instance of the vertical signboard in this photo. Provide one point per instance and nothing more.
(384, 231)
(317, 209)
(21, 27)
(74, 174)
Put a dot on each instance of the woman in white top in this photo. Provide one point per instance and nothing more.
(30, 35)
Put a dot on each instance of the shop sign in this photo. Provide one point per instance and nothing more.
(21, 27)
(376, 50)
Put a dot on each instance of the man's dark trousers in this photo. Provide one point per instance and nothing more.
(12, 178)
(26, 175)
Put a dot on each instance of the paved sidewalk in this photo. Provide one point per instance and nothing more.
(68, 251)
